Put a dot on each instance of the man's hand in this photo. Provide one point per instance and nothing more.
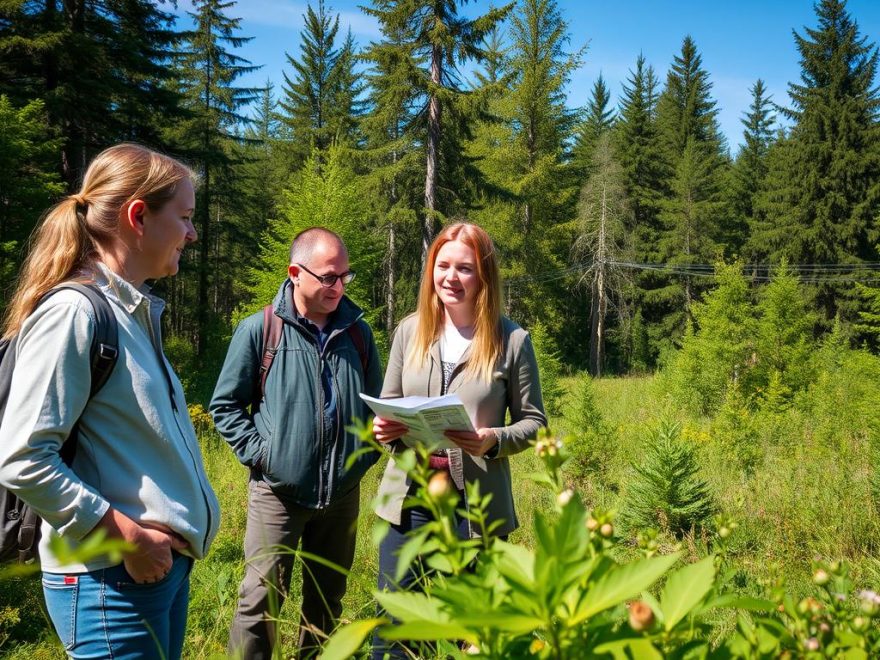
(475, 444)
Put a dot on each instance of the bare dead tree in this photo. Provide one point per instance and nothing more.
(602, 245)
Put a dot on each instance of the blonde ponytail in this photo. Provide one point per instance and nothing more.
(64, 246)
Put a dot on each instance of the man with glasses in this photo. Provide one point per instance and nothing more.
(288, 426)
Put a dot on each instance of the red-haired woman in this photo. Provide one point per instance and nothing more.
(458, 342)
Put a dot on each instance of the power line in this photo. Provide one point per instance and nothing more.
(811, 273)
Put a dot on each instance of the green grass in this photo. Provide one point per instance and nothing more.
(808, 494)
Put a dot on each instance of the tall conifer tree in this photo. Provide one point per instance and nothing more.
(830, 212)
(598, 118)
(750, 168)
(691, 215)
(208, 73)
(320, 97)
(440, 39)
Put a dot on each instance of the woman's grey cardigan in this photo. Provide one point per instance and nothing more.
(514, 386)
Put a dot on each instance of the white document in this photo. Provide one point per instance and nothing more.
(427, 417)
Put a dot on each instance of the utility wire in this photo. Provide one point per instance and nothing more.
(815, 273)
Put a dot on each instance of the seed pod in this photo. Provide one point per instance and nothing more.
(592, 524)
(860, 624)
(641, 616)
(439, 484)
(724, 532)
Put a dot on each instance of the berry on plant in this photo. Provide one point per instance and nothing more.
(641, 616)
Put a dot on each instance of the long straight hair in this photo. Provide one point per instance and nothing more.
(487, 342)
(65, 243)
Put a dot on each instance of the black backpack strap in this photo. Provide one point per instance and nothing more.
(104, 350)
(105, 343)
(272, 328)
(357, 338)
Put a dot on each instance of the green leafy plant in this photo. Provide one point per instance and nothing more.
(565, 598)
(667, 491)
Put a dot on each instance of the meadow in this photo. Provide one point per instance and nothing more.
(805, 491)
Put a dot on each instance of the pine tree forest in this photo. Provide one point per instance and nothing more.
(612, 218)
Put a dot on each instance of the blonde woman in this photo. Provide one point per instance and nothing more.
(137, 473)
(458, 342)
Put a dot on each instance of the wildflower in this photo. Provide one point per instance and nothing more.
(641, 616)
(564, 497)
(812, 644)
(536, 646)
(870, 602)
(821, 577)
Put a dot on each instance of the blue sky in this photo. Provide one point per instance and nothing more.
(739, 40)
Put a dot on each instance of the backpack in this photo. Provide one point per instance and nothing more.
(272, 327)
(20, 525)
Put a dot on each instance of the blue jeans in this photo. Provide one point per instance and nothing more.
(105, 614)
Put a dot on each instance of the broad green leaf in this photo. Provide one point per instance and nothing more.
(516, 563)
(349, 638)
(509, 622)
(380, 531)
(740, 602)
(408, 553)
(639, 648)
(620, 584)
(428, 631)
(685, 589)
(408, 606)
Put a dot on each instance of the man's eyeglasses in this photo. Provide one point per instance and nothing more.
(328, 281)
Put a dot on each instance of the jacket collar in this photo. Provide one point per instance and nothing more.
(128, 295)
(346, 314)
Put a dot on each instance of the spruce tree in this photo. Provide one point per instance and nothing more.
(28, 180)
(320, 97)
(208, 70)
(598, 119)
(393, 135)
(750, 167)
(691, 214)
(100, 68)
(437, 40)
(638, 147)
(533, 226)
(667, 491)
(830, 211)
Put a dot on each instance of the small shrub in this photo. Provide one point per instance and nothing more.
(666, 491)
(592, 449)
(549, 368)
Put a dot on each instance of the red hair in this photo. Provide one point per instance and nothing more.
(486, 346)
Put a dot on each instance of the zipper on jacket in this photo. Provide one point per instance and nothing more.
(320, 419)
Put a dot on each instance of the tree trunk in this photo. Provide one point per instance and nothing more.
(73, 150)
(431, 151)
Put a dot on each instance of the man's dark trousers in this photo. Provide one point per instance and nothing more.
(274, 521)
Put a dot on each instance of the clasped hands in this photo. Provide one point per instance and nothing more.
(474, 443)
